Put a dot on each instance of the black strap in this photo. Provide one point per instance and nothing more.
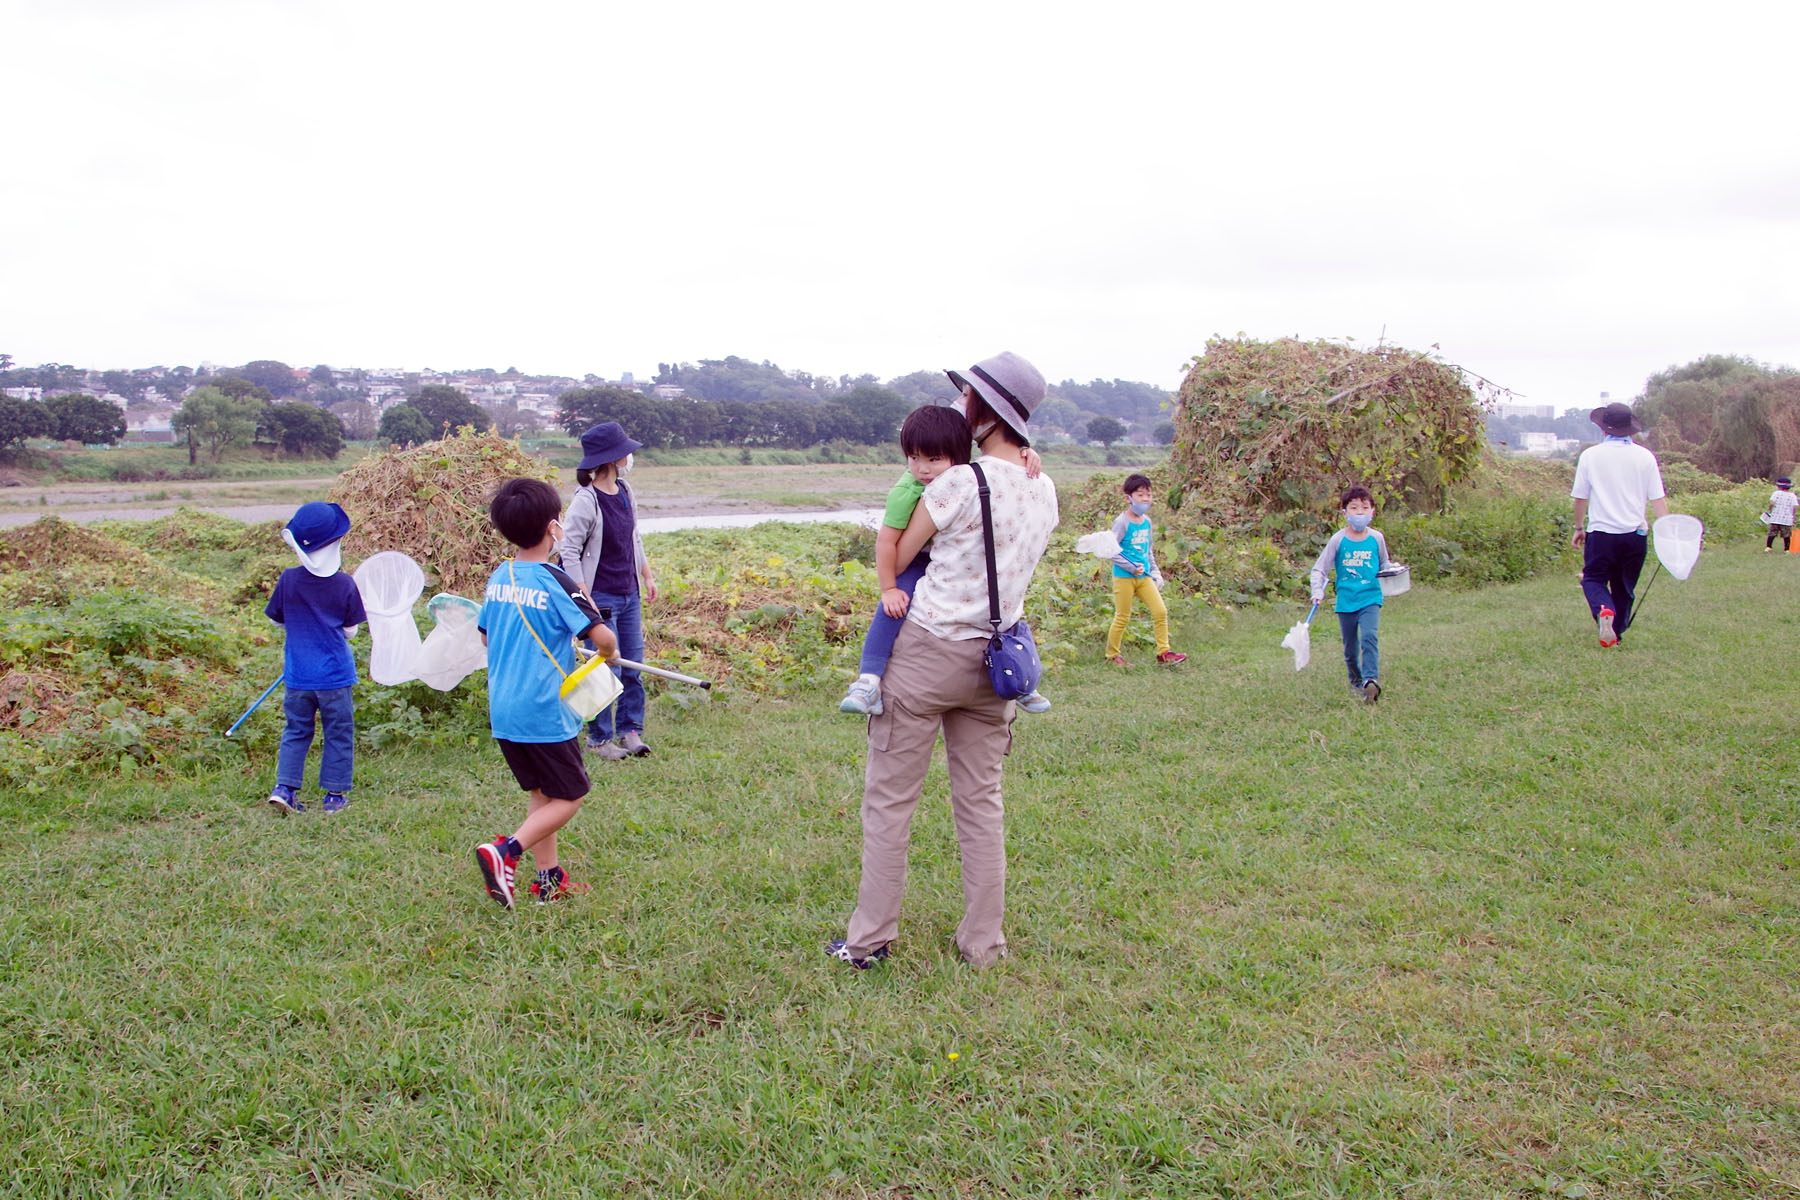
(987, 543)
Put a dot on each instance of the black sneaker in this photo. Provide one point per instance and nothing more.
(497, 870)
(837, 949)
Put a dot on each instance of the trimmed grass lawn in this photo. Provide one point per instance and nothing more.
(1530, 926)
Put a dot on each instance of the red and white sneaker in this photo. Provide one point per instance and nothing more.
(1607, 636)
(497, 869)
(553, 885)
(1169, 658)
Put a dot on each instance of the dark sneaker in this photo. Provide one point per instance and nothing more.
(553, 885)
(497, 870)
(633, 744)
(1371, 691)
(1608, 637)
(837, 949)
(1169, 658)
(283, 800)
(335, 802)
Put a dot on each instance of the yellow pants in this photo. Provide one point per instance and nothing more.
(1124, 590)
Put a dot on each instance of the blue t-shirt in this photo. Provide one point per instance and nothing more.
(1134, 547)
(1357, 564)
(524, 687)
(315, 611)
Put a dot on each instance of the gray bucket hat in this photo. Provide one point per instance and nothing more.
(1012, 387)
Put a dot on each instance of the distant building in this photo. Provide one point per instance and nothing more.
(24, 393)
(669, 391)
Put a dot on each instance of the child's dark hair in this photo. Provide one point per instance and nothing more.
(1133, 483)
(522, 510)
(935, 431)
(1355, 491)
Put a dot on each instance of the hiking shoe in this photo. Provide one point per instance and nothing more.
(497, 870)
(837, 949)
(1037, 702)
(335, 802)
(1169, 658)
(863, 696)
(633, 744)
(608, 750)
(1118, 661)
(283, 800)
(553, 885)
(1371, 691)
(1605, 622)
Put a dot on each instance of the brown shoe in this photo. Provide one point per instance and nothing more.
(1116, 661)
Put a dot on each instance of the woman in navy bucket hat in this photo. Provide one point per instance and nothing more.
(603, 551)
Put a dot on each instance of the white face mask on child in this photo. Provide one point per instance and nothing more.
(1140, 507)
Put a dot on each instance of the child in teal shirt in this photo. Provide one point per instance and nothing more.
(1356, 553)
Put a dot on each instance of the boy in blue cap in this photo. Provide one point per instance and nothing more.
(319, 607)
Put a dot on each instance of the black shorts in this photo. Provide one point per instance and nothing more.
(553, 768)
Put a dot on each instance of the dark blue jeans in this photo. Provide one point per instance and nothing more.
(1361, 631)
(1610, 566)
(878, 643)
(336, 713)
(624, 615)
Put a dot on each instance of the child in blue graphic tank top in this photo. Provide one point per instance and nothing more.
(318, 607)
(1356, 554)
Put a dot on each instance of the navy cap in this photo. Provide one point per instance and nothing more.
(318, 523)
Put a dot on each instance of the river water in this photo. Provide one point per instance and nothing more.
(281, 512)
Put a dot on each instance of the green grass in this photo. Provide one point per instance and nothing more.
(1528, 927)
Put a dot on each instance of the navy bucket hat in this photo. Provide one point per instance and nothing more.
(605, 443)
(318, 523)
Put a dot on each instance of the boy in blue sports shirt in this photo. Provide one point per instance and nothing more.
(1357, 553)
(529, 614)
(318, 607)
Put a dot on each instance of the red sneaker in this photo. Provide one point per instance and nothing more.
(1169, 658)
(497, 870)
(1607, 636)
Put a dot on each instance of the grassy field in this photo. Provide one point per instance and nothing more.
(1529, 927)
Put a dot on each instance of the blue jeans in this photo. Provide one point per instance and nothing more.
(336, 712)
(1362, 646)
(624, 615)
(878, 643)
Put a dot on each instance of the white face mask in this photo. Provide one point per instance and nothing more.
(625, 466)
(1358, 521)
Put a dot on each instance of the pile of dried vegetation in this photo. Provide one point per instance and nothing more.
(430, 503)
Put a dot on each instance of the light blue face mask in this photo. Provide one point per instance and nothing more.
(1140, 507)
(1358, 521)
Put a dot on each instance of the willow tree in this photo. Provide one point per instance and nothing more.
(1265, 428)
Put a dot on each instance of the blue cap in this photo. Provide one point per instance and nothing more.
(318, 523)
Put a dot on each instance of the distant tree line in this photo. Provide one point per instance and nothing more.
(1726, 414)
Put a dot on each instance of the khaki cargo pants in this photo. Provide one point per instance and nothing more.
(933, 684)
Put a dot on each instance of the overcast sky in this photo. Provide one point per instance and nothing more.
(1563, 197)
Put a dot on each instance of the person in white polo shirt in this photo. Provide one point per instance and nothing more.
(1614, 481)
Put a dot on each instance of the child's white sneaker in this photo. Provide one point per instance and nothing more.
(1037, 702)
(863, 696)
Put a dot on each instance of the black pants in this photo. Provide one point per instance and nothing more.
(1610, 568)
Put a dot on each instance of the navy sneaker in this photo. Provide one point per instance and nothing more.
(283, 800)
(335, 802)
(497, 870)
(837, 949)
